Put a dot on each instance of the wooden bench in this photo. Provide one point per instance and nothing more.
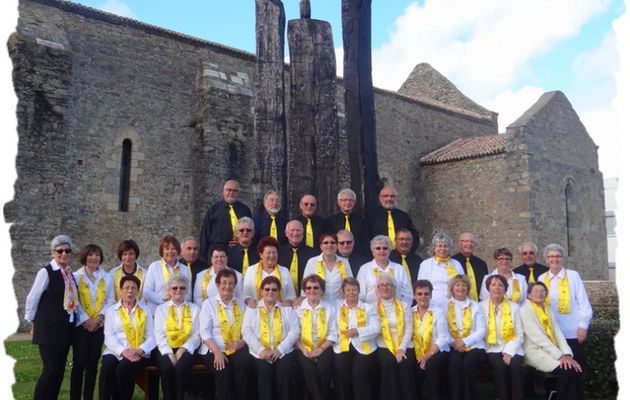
(143, 377)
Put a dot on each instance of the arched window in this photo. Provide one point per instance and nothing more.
(571, 214)
(125, 173)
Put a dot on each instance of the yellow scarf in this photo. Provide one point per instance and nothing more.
(344, 342)
(450, 268)
(92, 310)
(507, 325)
(564, 293)
(321, 269)
(422, 340)
(400, 326)
(205, 282)
(379, 270)
(135, 335)
(542, 314)
(307, 328)
(516, 290)
(230, 333)
(466, 320)
(166, 274)
(265, 328)
(473, 280)
(178, 333)
(118, 277)
(276, 273)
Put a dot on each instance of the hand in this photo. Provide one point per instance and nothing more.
(32, 327)
(459, 345)
(297, 302)
(131, 355)
(507, 359)
(287, 303)
(422, 362)
(581, 335)
(275, 355)
(236, 345)
(179, 353)
(166, 297)
(566, 362)
(92, 324)
(352, 332)
(219, 361)
(316, 353)
(400, 355)
(265, 355)
(173, 358)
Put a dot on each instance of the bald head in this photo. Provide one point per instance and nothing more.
(466, 244)
(231, 191)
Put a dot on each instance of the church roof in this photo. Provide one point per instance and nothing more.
(466, 148)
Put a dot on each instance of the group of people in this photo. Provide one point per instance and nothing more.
(308, 311)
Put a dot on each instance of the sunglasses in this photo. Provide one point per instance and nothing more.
(309, 204)
(420, 294)
(242, 230)
(175, 288)
(61, 251)
(528, 253)
(345, 242)
(270, 289)
(327, 242)
(311, 288)
(381, 248)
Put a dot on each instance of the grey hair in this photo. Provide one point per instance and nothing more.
(270, 192)
(345, 233)
(459, 278)
(386, 277)
(244, 220)
(177, 278)
(553, 247)
(59, 240)
(520, 248)
(347, 191)
(441, 237)
(187, 238)
(380, 239)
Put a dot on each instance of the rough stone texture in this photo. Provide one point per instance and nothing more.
(312, 142)
(602, 293)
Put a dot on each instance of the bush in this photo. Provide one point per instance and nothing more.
(600, 379)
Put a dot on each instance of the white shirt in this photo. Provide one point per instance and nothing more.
(332, 332)
(333, 278)
(251, 329)
(522, 286)
(154, 286)
(211, 289)
(441, 336)
(390, 313)
(367, 333)
(581, 311)
(476, 338)
(161, 316)
(209, 325)
(249, 282)
(367, 279)
(116, 283)
(436, 272)
(514, 346)
(93, 286)
(115, 337)
(39, 286)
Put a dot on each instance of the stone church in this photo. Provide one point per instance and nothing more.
(104, 100)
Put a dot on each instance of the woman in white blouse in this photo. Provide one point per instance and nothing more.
(517, 284)
(467, 328)
(440, 268)
(318, 333)
(331, 267)
(504, 338)
(205, 282)
(177, 338)
(223, 349)
(270, 331)
(129, 341)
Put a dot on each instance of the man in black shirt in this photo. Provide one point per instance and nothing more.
(530, 269)
(271, 220)
(386, 219)
(348, 220)
(243, 254)
(403, 256)
(189, 257)
(346, 248)
(314, 225)
(294, 254)
(475, 267)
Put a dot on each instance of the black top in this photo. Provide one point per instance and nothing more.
(539, 269)
(217, 225)
(195, 268)
(377, 224)
(413, 262)
(262, 224)
(235, 257)
(358, 228)
(285, 256)
(52, 322)
(480, 268)
(319, 226)
(356, 260)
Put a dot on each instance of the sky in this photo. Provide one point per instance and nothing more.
(503, 54)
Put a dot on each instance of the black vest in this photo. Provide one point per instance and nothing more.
(52, 321)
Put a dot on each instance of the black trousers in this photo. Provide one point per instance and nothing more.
(175, 378)
(232, 381)
(462, 373)
(578, 352)
(86, 351)
(317, 374)
(54, 364)
(569, 384)
(116, 378)
(508, 376)
(354, 375)
(274, 379)
(397, 381)
(429, 377)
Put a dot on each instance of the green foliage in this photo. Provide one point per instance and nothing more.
(601, 379)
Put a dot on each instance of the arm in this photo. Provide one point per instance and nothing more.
(150, 286)
(373, 324)
(585, 312)
(478, 330)
(406, 339)
(293, 334)
(160, 330)
(194, 340)
(149, 341)
(536, 333)
(197, 295)
(483, 293)
(250, 332)
(441, 336)
(32, 300)
(515, 344)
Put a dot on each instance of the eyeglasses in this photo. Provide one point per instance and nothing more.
(309, 204)
(61, 251)
(231, 190)
(381, 248)
(385, 285)
(176, 288)
(270, 289)
(242, 230)
(555, 256)
(528, 253)
(311, 288)
(420, 294)
(345, 242)
(327, 242)
(504, 259)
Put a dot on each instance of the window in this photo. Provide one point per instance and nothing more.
(571, 215)
(125, 173)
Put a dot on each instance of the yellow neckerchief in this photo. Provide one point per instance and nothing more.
(135, 334)
(344, 342)
(403, 262)
(564, 293)
(207, 277)
(321, 269)
(378, 271)
(516, 289)
(307, 328)
(542, 314)
(400, 326)
(178, 330)
(230, 333)
(507, 325)
(470, 272)
(466, 321)
(265, 328)
(276, 272)
(92, 310)
(166, 274)
(450, 268)
(119, 272)
(422, 332)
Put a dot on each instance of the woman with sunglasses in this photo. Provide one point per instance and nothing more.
(96, 294)
(177, 338)
(517, 284)
(318, 333)
(330, 267)
(205, 282)
(270, 331)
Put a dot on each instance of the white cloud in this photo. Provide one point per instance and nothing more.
(511, 105)
(117, 7)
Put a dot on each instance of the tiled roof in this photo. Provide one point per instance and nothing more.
(466, 148)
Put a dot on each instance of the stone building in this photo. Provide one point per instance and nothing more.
(128, 130)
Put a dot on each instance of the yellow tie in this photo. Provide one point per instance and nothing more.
(531, 275)
(347, 226)
(391, 231)
(233, 218)
(245, 261)
(473, 280)
(294, 269)
(406, 266)
(309, 233)
(273, 231)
